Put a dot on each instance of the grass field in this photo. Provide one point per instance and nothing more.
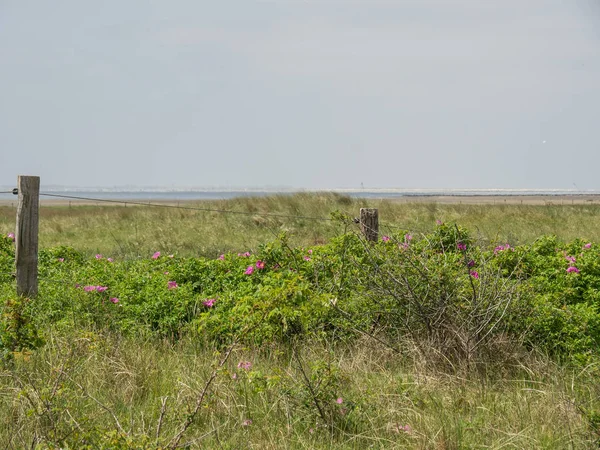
(92, 385)
(137, 230)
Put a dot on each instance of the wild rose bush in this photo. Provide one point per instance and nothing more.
(441, 289)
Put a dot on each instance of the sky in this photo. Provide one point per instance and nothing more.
(311, 94)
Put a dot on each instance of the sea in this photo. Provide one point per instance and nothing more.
(171, 194)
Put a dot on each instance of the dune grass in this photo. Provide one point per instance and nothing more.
(137, 230)
(80, 386)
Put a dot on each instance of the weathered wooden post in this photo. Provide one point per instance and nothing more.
(369, 223)
(26, 235)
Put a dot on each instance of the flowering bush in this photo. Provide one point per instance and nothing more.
(440, 288)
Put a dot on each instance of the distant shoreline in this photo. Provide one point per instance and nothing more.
(210, 192)
(172, 199)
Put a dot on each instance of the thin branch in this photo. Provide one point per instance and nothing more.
(163, 410)
(190, 418)
(309, 386)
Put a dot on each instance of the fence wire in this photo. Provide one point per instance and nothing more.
(224, 211)
(189, 208)
(383, 226)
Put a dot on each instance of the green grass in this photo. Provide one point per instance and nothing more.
(89, 386)
(85, 385)
(139, 230)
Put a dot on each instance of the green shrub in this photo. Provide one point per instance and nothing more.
(18, 335)
(441, 290)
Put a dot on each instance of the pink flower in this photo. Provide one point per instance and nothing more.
(172, 285)
(439, 222)
(310, 251)
(405, 428)
(114, 300)
(234, 376)
(339, 401)
(89, 288)
(61, 259)
(209, 303)
(246, 365)
(166, 273)
(502, 248)
(101, 288)
(221, 257)
(462, 247)
(307, 258)
(260, 265)
(474, 274)
(588, 245)
(109, 259)
(249, 270)
(244, 254)
(471, 263)
(573, 269)
(11, 236)
(570, 259)
(247, 422)
(156, 255)
(408, 237)
(98, 256)
(385, 238)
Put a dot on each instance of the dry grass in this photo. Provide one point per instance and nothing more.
(93, 384)
(139, 230)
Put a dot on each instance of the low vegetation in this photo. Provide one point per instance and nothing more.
(445, 338)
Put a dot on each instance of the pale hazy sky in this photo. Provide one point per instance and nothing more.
(306, 94)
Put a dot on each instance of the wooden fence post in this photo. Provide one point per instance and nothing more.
(369, 223)
(26, 235)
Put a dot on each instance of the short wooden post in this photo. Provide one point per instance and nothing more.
(26, 235)
(369, 223)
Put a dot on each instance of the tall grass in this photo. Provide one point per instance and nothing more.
(123, 393)
(138, 230)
